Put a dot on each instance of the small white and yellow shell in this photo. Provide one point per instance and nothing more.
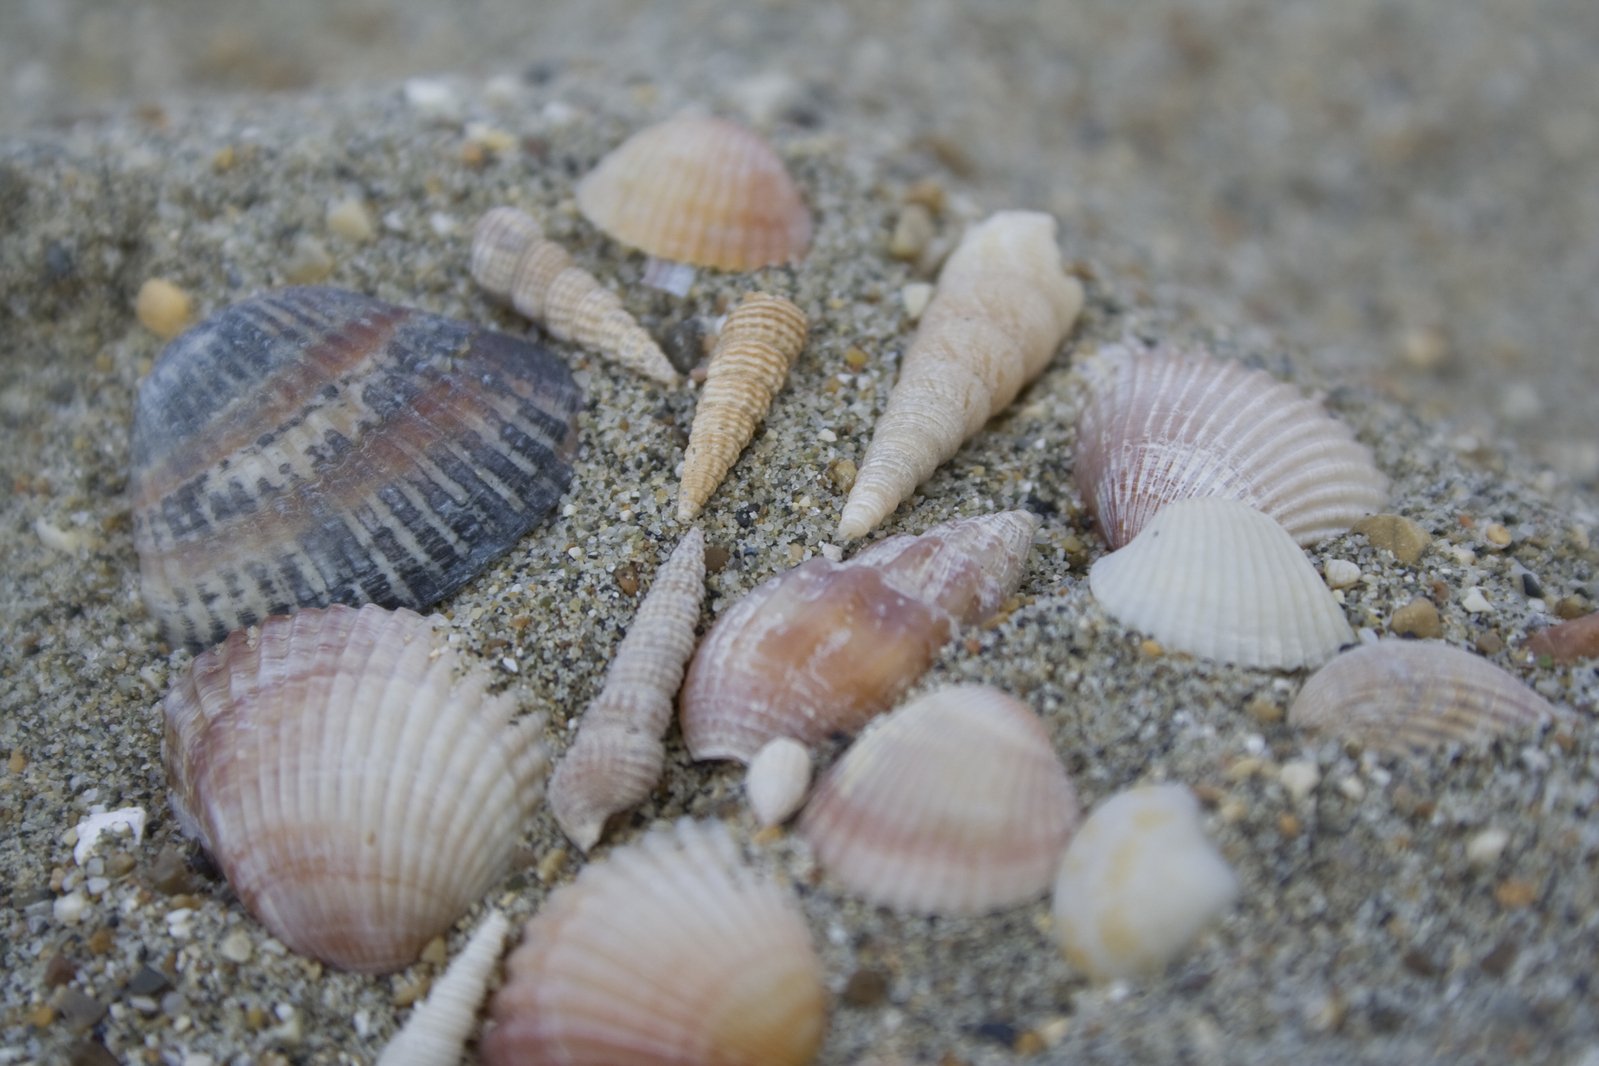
(1166, 425)
(436, 1032)
(617, 757)
(953, 804)
(357, 793)
(700, 190)
(1002, 308)
(777, 780)
(1138, 883)
(1216, 578)
(757, 346)
(513, 260)
(1400, 695)
(666, 952)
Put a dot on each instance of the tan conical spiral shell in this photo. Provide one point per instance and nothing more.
(760, 341)
(617, 756)
(1002, 308)
(513, 260)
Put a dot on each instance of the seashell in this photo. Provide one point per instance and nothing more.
(1138, 883)
(760, 341)
(1216, 578)
(1165, 425)
(822, 648)
(513, 260)
(699, 190)
(1568, 641)
(778, 778)
(1400, 695)
(954, 804)
(1002, 308)
(356, 793)
(667, 952)
(314, 446)
(617, 756)
(436, 1032)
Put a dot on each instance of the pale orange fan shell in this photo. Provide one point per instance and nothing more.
(700, 190)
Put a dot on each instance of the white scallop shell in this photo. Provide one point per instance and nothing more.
(436, 1032)
(358, 794)
(668, 951)
(1216, 578)
(954, 804)
(777, 780)
(1166, 425)
(1400, 695)
(1138, 883)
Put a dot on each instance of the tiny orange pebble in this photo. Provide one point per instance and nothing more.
(163, 308)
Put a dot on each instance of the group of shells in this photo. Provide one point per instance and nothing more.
(311, 467)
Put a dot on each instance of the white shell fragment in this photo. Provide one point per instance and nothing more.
(1401, 695)
(1002, 307)
(954, 804)
(436, 1032)
(1216, 578)
(617, 757)
(777, 780)
(667, 951)
(1138, 883)
(357, 786)
(1168, 425)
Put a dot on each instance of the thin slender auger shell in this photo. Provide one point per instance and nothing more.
(1400, 695)
(617, 756)
(758, 344)
(513, 260)
(436, 1032)
(1216, 578)
(1002, 308)
(357, 794)
(822, 648)
(699, 190)
(1138, 883)
(1166, 425)
(954, 804)
(668, 952)
(313, 446)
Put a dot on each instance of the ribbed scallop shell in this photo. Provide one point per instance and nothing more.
(1400, 695)
(699, 190)
(358, 795)
(1138, 883)
(436, 1032)
(617, 756)
(1002, 308)
(1216, 578)
(513, 260)
(668, 952)
(757, 346)
(954, 804)
(1166, 425)
(314, 446)
(822, 648)
(778, 778)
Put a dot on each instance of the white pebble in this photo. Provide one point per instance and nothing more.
(1475, 602)
(777, 780)
(1485, 848)
(1300, 777)
(349, 218)
(916, 296)
(127, 821)
(236, 946)
(433, 98)
(1341, 573)
(70, 909)
(1138, 883)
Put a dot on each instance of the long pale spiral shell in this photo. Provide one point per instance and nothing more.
(435, 1034)
(1002, 307)
(617, 756)
(513, 260)
(758, 344)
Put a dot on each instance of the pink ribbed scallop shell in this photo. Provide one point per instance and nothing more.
(1400, 695)
(822, 648)
(699, 190)
(357, 794)
(954, 804)
(668, 952)
(1165, 425)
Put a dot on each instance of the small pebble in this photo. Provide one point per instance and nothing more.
(163, 308)
(1424, 348)
(349, 218)
(915, 297)
(436, 953)
(1341, 573)
(913, 232)
(1396, 534)
(236, 947)
(1486, 847)
(1475, 602)
(70, 909)
(1300, 777)
(1515, 894)
(308, 261)
(865, 988)
(1419, 619)
(1497, 535)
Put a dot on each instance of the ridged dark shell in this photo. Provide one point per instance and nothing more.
(313, 446)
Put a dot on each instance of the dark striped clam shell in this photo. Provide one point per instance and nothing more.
(313, 446)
